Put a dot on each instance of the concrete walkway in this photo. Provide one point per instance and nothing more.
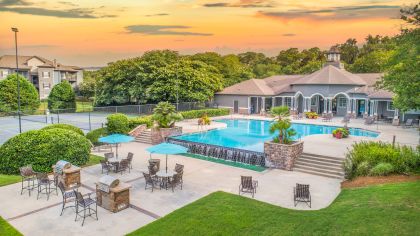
(42, 217)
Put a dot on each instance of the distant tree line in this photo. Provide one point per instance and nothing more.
(165, 75)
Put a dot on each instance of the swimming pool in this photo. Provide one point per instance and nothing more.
(251, 134)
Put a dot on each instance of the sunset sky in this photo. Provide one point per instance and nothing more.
(94, 32)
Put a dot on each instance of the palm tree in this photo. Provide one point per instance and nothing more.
(280, 112)
(165, 115)
(285, 132)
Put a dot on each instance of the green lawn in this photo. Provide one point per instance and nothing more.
(7, 229)
(8, 179)
(93, 160)
(392, 209)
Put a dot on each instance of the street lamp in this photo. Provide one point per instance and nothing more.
(17, 78)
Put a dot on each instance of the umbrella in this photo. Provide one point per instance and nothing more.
(116, 139)
(167, 148)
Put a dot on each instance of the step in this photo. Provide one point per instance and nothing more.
(320, 159)
(318, 173)
(329, 172)
(319, 162)
(320, 166)
(322, 156)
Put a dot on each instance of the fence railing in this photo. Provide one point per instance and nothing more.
(88, 118)
(220, 152)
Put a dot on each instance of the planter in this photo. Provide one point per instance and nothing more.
(282, 156)
(160, 134)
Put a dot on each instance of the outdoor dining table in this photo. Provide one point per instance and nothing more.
(114, 162)
(165, 176)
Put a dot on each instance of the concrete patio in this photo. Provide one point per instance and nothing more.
(42, 217)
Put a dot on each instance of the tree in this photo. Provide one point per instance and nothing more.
(88, 86)
(285, 132)
(349, 51)
(373, 62)
(62, 96)
(259, 64)
(29, 98)
(411, 15)
(165, 115)
(281, 112)
(184, 81)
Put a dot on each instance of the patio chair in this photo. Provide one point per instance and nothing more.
(346, 119)
(301, 194)
(327, 117)
(179, 168)
(106, 166)
(83, 204)
(28, 177)
(175, 181)
(408, 123)
(130, 159)
(150, 181)
(108, 155)
(155, 162)
(68, 196)
(369, 120)
(122, 166)
(248, 185)
(44, 185)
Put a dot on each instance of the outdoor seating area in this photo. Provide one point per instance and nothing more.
(166, 179)
(113, 164)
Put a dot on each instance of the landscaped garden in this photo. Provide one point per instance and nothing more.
(391, 209)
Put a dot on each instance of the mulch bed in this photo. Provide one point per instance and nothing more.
(375, 180)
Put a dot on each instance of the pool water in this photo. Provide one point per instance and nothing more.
(251, 134)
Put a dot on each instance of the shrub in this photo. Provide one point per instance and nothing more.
(341, 133)
(29, 98)
(382, 169)
(66, 127)
(95, 134)
(311, 115)
(165, 115)
(403, 159)
(285, 132)
(200, 113)
(142, 120)
(62, 96)
(42, 149)
(117, 124)
(363, 169)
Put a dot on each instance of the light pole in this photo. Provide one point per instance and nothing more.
(17, 78)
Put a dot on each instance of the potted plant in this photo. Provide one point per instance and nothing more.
(204, 120)
(341, 133)
(164, 117)
(282, 151)
(311, 115)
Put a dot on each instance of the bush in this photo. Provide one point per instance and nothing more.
(142, 120)
(341, 133)
(311, 115)
(165, 115)
(403, 159)
(117, 124)
(62, 96)
(29, 98)
(200, 113)
(42, 149)
(66, 127)
(382, 169)
(95, 134)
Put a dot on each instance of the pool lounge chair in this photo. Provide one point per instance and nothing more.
(408, 123)
(248, 185)
(327, 117)
(302, 194)
(369, 120)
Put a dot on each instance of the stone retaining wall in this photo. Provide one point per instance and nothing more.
(159, 134)
(282, 156)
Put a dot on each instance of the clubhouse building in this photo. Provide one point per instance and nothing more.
(331, 89)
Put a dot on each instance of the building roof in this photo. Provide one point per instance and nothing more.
(331, 75)
(364, 83)
(9, 61)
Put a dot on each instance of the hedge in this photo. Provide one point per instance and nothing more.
(380, 158)
(29, 98)
(210, 113)
(95, 134)
(66, 127)
(42, 149)
(117, 124)
(142, 120)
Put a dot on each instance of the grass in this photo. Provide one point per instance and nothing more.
(93, 160)
(9, 179)
(7, 229)
(229, 163)
(392, 209)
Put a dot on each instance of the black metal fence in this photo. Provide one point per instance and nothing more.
(89, 117)
(219, 152)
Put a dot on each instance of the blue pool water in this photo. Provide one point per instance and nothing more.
(251, 134)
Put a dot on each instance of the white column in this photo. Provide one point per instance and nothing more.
(273, 101)
(330, 106)
(354, 106)
(375, 111)
(366, 106)
(325, 104)
(396, 113)
(292, 103)
(263, 103)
